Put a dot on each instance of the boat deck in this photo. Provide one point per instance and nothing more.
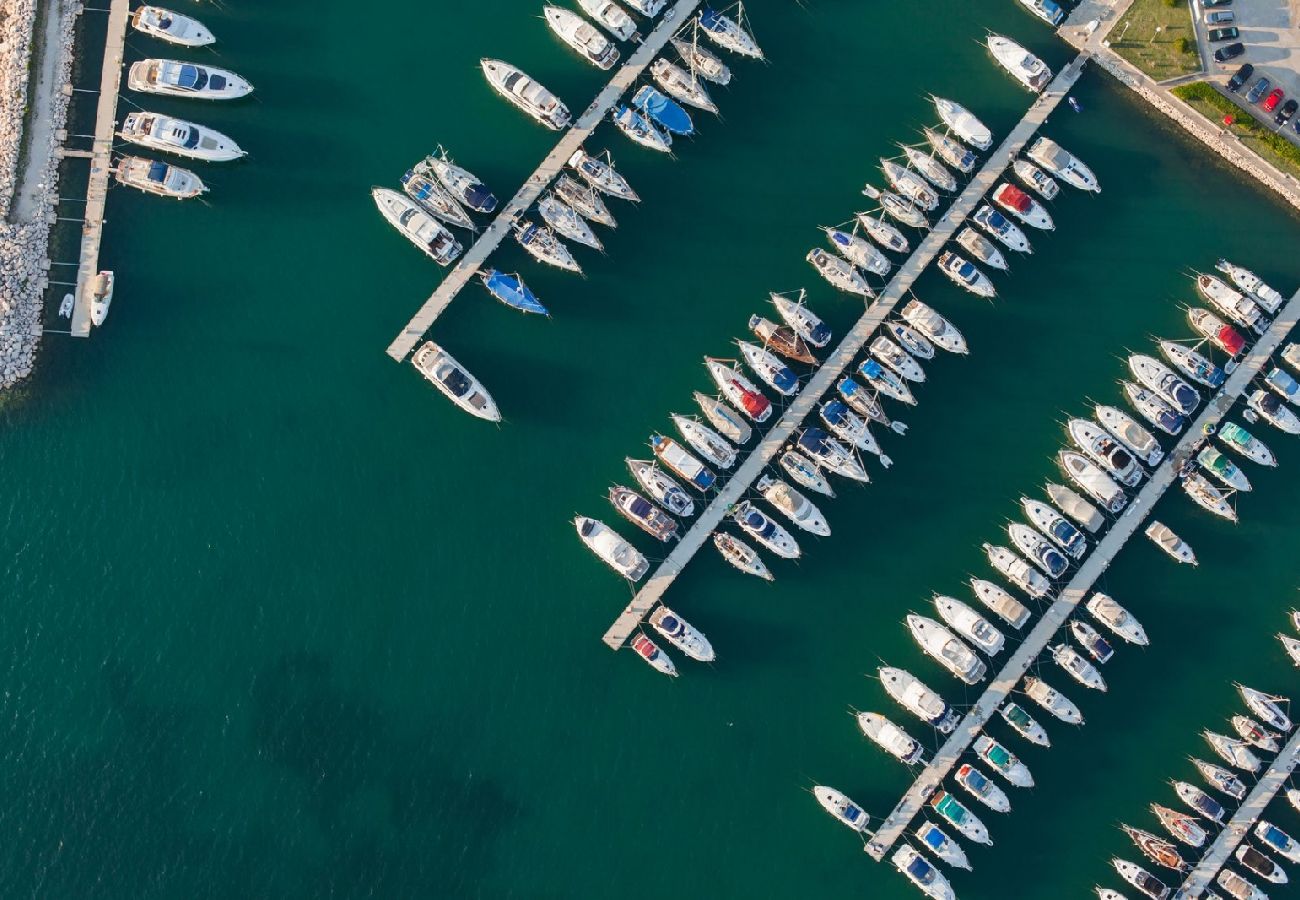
(842, 357)
(1129, 524)
(625, 76)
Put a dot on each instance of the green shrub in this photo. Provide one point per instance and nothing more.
(1183, 45)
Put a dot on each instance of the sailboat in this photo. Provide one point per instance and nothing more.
(681, 85)
(728, 33)
(600, 173)
(703, 62)
(858, 251)
(729, 423)
(511, 290)
(840, 273)
(950, 151)
(739, 390)
(930, 168)
(802, 319)
(740, 555)
(541, 244)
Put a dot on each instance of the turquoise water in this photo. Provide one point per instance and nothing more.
(281, 622)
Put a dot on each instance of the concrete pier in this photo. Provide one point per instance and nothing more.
(624, 77)
(1128, 524)
(842, 357)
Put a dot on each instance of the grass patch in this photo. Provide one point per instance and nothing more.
(1162, 54)
(1271, 146)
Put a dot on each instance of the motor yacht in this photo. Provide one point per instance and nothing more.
(642, 513)
(908, 692)
(582, 37)
(681, 634)
(947, 649)
(615, 552)
(1057, 528)
(963, 123)
(969, 624)
(1007, 608)
(171, 27)
(793, 505)
(1056, 160)
(526, 94)
(934, 326)
(965, 274)
(739, 554)
(1164, 537)
(891, 738)
(1001, 229)
(173, 78)
(420, 228)
(178, 136)
(1022, 65)
(154, 177)
(1052, 700)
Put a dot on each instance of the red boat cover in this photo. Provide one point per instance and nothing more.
(1014, 196)
(1231, 340)
(755, 404)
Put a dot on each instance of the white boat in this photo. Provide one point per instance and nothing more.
(1038, 550)
(1129, 433)
(600, 174)
(963, 123)
(956, 814)
(615, 552)
(944, 848)
(702, 61)
(1007, 607)
(849, 426)
(1231, 302)
(585, 200)
(1291, 356)
(1074, 506)
(1254, 733)
(1271, 409)
(981, 248)
(865, 401)
(1266, 297)
(1237, 887)
(1059, 162)
(1221, 779)
(764, 529)
(965, 274)
(1233, 752)
(841, 807)
(1077, 667)
(897, 207)
(1163, 537)
(770, 368)
(1281, 383)
(911, 340)
(1141, 879)
(541, 244)
(1017, 571)
(1199, 801)
(681, 634)
(910, 185)
(1224, 470)
(882, 232)
(802, 319)
(1267, 707)
(705, 441)
(1024, 724)
(1276, 839)
(947, 649)
(741, 555)
(1154, 409)
(661, 487)
(894, 356)
(1217, 332)
(1024, 207)
(100, 288)
(982, 788)
(793, 505)
(890, 738)
(422, 186)
(728, 33)
(154, 177)
(1036, 179)
(171, 27)
(969, 624)
(641, 130)
(648, 650)
(682, 462)
(1001, 229)
(613, 17)
(918, 870)
(1159, 378)
(420, 228)
(934, 326)
(1293, 797)
(1003, 761)
(1094, 482)
(1194, 365)
(526, 94)
(464, 186)
(1058, 529)
(1105, 451)
(1208, 497)
(858, 251)
(930, 168)
(564, 219)
(584, 38)
(1180, 825)
(952, 152)
(178, 136)
(1022, 65)
(1119, 620)
(681, 85)
(1291, 646)
(885, 381)
(805, 472)
(908, 692)
(729, 423)
(173, 78)
(840, 273)
(455, 381)
(831, 455)
(1052, 700)
(1102, 893)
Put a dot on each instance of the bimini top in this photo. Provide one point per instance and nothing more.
(479, 197)
(663, 110)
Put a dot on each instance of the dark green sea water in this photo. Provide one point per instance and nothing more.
(280, 622)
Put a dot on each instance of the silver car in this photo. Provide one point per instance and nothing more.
(1220, 17)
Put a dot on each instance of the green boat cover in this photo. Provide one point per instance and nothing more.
(1000, 756)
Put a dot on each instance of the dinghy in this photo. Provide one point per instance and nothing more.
(1163, 537)
(740, 555)
(793, 505)
(662, 488)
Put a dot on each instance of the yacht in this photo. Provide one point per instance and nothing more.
(1098, 445)
(1237, 887)
(1193, 364)
(613, 17)
(950, 151)
(511, 290)
(846, 424)
(642, 513)
(911, 340)
(1129, 433)
(802, 319)
(1094, 482)
(1141, 879)
(882, 232)
(947, 649)
(739, 390)
(705, 441)
(956, 814)
(944, 848)
(1270, 408)
(1022, 206)
(1254, 733)
(641, 130)
(963, 123)
(1052, 700)
(648, 650)
(179, 137)
(728, 34)
(455, 382)
(584, 38)
(966, 274)
(101, 296)
(1017, 571)
(702, 61)
(1090, 640)
(890, 738)
(180, 79)
(1157, 377)
(741, 555)
(862, 400)
(1208, 497)
(918, 870)
(659, 485)
(910, 185)
(1181, 826)
(420, 228)
(839, 273)
(1154, 409)
(564, 219)
(1001, 229)
(422, 187)
(1003, 761)
(892, 355)
(769, 368)
(681, 85)
(660, 109)
(1077, 667)
(1282, 384)
(934, 326)
(1163, 537)
(841, 807)
(1233, 752)
(979, 786)
(793, 505)
(1024, 724)
(970, 624)
(858, 251)
(831, 455)
(585, 200)
(1221, 779)
(908, 692)
(1266, 297)
(1119, 620)
(601, 175)
(805, 472)
(526, 94)
(1046, 10)
(765, 530)
(464, 185)
(981, 248)
(729, 423)
(897, 207)
(541, 244)
(1007, 608)
(1278, 840)
(1232, 303)
(1216, 331)
(1057, 161)
(1036, 179)
(930, 168)
(1291, 646)
(782, 339)
(1267, 707)
(1022, 65)
(1223, 469)
(1199, 801)
(1057, 528)
(615, 552)
(1156, 849)
(886, 382)
(159, 178)
(682, 463)
(1038, 550)
(1073, 505)
(1103, 893)
(171, 27)
(681, 634)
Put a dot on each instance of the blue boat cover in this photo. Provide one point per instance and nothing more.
(872, 369)
(711, 19)
(511, 290)
(814, 440)
(785, 379)
(1271, 403)
(663, 110)
(919, 867)
(479, 197)
(834, 411)
(189, 77)
(934, 838)
(157, 171)
(967, 272)
(641, 508)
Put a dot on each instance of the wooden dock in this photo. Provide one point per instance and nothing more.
(672, 19)
(842, 357)
(92, 230)
(1073, 593)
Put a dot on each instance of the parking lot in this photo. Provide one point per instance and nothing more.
(1270, 31)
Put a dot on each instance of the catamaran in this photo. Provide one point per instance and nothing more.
(420, 228)
(805, 471)
(1024, 724)
(1268, 299)
(526, 94)
(682, 85)
(601, 175)
(511, 290)
(171, 27)
(955, 812)
(1069, 501)
(1220, 778)
(1181, 826)
(1036, 179)
(970, 624)
(841, 807)
(1003, 761)
(682, 462)
(1239, 440)
(908, 692)
(739, 390)
(612, 550)
(180, 79)
(965, 274)
(1057, 528)
(705, 441)
(154, 177)
(950, 151)
(665, 491)
(765, 530)
(1271, 409)
(1077, 667)
(1007, 608)
(741, 555)
(963, 123)
(642, 513)
(1154, 408)
(641, 130)
(897, 207)
(793, 505)
(890, 738)
(1216, 331)
(1038, 550)
(728, 34)
(858, 251)
(1001, 229)
(681, 634)
(541, 244)
(1059, 162)
(565, 219)
(584, 38)
(1017, 571)
(947, 649)
(944, 848)
(769, 368)
(892, 355)
(1052, 700)
(463, 184)
(1022, 206)
(782, 339)
(934, 326)
(178, 136)
(802, 319)
(1094, 482)
(1193, 364)
(420, 185)
(612, 16)
(648, 650)
(910, 185)
(840, 273)
(930, 168)
(1163, 537)
(1104, 450)
(702, 61)
(981, 248)
(1022, 65)
(1232, 303)
(1223, 469)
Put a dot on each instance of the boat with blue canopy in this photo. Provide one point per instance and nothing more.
(511, 290)
(663, 110)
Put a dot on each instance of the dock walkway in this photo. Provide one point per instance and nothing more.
(824, 377)
(1073, 593)
(468, 265)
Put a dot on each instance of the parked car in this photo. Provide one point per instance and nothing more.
(1208, 3)
(1257, 90)
(1272, 100)
(1241, 77)
(1286, 112)
(1224, 34)
(1230, 51)
(1220, 17)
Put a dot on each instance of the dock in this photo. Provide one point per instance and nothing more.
(626, 75)
(842, 357)
(92, 231)
(1130, 520)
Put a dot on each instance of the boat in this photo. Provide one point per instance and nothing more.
(1291, 356)
(1232, 303)
(526, 94)
(1254, 733)
(541, 244)
(908, 692)
(944, 848)
(615, 552)
(840, 273)
(805, 472)
(946, 649)
(1237, 887)
(681, 85)
(1094, 482)
(1101, 448)
(1057, 528)
(846, 424)
(1233, 752)
(1216, 331)
(464, 186)
(1193, 364)
(1003, 761)
(1052, 700)
(830, 454)
(781, 338)
(703, 62)
(681, 634)
(705, 441)
(802, 319)
(601, 175)
(1017, 571)
(65, 306)
(763, 529)
(728, 34)
(1282, 384)
(882, 232)
(1104, 893)
(1128, 432)
(769, 368)
(511, 290)
(171, 27)
(650, 8)
(965, 274)
(648, 650)
(1221, 779)
(963, 123)
(455, 382)
(564, 219)
(641, 130)
(950, 151)
(739, 390)
(1266, 297)
(886, 381)
(584, 200)
(1276, 839)
(910, 185)
(1199, 801)
(959, 816)
(1270, 408)
(1141, 879)
(1158, 850)
(1046, 10)
(420, 185)
(1077, 667)
(1007, 608)
(1036, 179)
(1267, 707)
(970, 624)
(858, 251)
(613, 17)
(934, 326)
(1096, 646)
(918, 870)
(841, 807)
(1022, 206)
(682, 463)
(1024, 724)
(582, 37)
(894, 356)
(1223, 469)
(642, 513)
(862, 400)
(1182, 827)
(979, 786)
(1159, 378)
(890, 738)
(1001, 229)
(154, 177)
(1022, 65)
(660, 109)
(793, 505)
(659, 485)
(1056, 160)
(729, 423)
(1038, 550)
(173, 78)
(1293, 797)
(897, 207)
(911, 340)
(1154, 409)
(1074, 506)
(1119, 620)
(1261, 864)
(1163, 537)
(170, 135)
(981, 248)
(1292, 648)
(420, 228)
(741, 555)
(930, 168)
(101, 296)
(1208, 497)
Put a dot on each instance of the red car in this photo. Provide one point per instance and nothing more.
(1272, 100)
